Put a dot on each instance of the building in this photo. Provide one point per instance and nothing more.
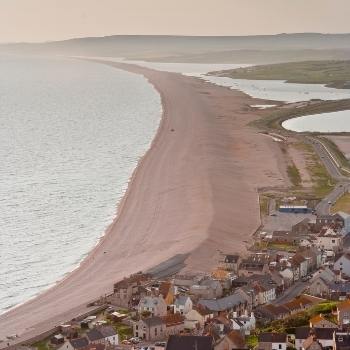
(295, 209)
(329, 239)
(343, 264)
(343, 313)
(152, 328)
(183, 304)
(189, 342)
(75, 344)
(323, 335)
(103, 335)
(244, 324)
(341, 341)
(152, 305)
(234, 303)
(231, 262)
(197, 317)
(272, 341)
(126, 289)
(232, 340)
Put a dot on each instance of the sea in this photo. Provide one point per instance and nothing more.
(71, 134)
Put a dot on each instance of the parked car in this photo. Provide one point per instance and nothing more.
(135, 340)
(160, 343)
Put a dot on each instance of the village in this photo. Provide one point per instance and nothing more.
(290, 290)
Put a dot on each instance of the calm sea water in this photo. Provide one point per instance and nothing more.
(71, 133)
(325, 122)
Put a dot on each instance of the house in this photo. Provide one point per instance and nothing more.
(319, 321)
(152, 328)
(244, 324)
(346, 220)
(230, 304)
(339, 290)
(341, 341)
(313, 257)
(265, 292)
(183, 304)
(257, 263)
(323, 335)
(187, 280)
(103, 335)
(329, 239)
(231, 262)
(302, 302)
(126, 289)
(75, 344)
(207, 288)
(189, 342)
(272, 312)
(343, 313)
(334, 220)
(232, 340)
(319, 287)
(343, 264)
(272, 341)
(154, 305)
(197, 317)
(299, 266)
(174, 324)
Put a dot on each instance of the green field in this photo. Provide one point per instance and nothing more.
(332, 73)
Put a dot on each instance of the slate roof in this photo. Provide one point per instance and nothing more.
(321, 333)
(272, 338)
(94, 335)
(181, 300)
(107, 331)
(79, 343)
(222, 304)
(340, 287)
(189, 342)
(153, 321)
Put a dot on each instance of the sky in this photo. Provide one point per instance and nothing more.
(48, 20)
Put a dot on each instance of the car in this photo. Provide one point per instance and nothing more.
(161, 344)
(135, 340)
(329, 202)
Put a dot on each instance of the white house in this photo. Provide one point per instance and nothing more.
(272, 341)
(343, 264)
(329, 240)
(244, 324)
(103, 335)
(183, 304)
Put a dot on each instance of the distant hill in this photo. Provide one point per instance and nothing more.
(190, 48)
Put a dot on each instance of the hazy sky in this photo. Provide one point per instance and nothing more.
(41, 20)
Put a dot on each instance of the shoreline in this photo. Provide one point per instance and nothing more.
(196, 176)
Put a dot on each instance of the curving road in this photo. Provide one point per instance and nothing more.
(343, 182)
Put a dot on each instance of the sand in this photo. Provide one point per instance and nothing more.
(194, 192)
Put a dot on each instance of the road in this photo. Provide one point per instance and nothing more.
(292, 292)
(343, 182)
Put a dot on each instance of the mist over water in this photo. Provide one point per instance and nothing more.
(71, 133)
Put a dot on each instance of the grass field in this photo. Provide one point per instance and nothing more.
(342, 204)
(332, 73)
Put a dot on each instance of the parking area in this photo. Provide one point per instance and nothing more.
(284, 221)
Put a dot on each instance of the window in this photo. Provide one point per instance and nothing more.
(155, 331)
(280, 346)
(136, 327)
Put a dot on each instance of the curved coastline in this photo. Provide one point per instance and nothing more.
(183, 195)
